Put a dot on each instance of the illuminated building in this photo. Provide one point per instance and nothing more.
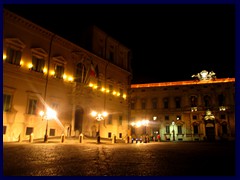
(193, 110)
(42, 69)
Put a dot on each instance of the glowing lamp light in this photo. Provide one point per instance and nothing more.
(4, 57)
(21, 62)
(103, 89)
(124, 96)
(70, 78)
(64, 76)
(30, 65)
(52, 73)
(44, 70)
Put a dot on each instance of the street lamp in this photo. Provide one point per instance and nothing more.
(173, 124)
(50, 114)
(99, 117)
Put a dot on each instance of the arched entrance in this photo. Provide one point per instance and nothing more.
(210, 131)
(78, 123)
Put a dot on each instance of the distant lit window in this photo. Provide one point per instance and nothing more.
(7, 99)
(206, 101)
(13, 56)
(178, 117)
(80, 73)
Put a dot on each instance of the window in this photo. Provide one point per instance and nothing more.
(110, 119)
(166, 117)
(195, 129)
(4, 129)
(38, 64)
(221, 100)
(154, 103)
(52, 132)
(206, 101)
(121, 92)
(13, 56)
(59, 71)
(120, 120)
(132, 104)
(109, 135)
(110, 88)
(224, 128)
(29, 130)
(178, 102)
(143, 104)
(194, 117)
(178, 117)
(7, 98)
(14, 48)
(165, 103)
(179, 129)
(99, 84)
(222, 116)
(193, 101)
(80, 73)
(111, 56)
(167, 130)
(120, 135)
(32, 106)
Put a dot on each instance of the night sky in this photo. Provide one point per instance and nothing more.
(168, 42)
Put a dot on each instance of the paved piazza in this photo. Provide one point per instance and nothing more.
(119, 159)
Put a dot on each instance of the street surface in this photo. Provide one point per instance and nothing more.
(119, 159)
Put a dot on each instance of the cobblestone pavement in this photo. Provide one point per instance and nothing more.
(72, 158)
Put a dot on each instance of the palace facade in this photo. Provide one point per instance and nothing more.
(51, 85)
(194, 110)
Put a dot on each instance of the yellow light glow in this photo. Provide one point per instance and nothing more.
(114, 92)
(70, 78)
(103, 89)
(105, 114)
(124, 96)
(107, 90)
(95, 86)
(30, 65)
(118, 94)
(64, 76)
(94, 113)
(21, 62)
(41, 113)
(4, 57)
(44, 70)
(52, 72)
(90, 85)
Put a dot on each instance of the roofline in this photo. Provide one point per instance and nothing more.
(182, 83)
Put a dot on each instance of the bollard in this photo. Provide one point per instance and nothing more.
(81, 138)
(19, 138)
(114, 139)
(62, 138)
(31, 138)
(127, 139)
(98, 139)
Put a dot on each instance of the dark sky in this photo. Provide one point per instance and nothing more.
(168, 42)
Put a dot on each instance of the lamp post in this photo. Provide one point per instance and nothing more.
(99, 117)
(49, 114)
(173, 124)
